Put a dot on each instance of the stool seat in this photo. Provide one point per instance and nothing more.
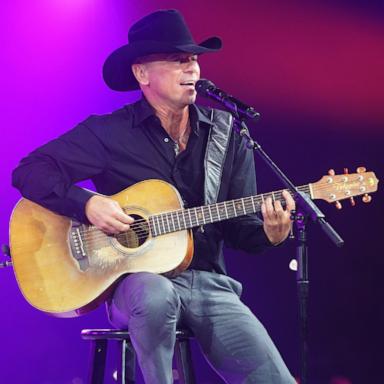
(127, 371)
(121, 334)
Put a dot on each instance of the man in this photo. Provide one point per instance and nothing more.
(166, 136)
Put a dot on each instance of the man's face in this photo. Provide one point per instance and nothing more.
(170, 78)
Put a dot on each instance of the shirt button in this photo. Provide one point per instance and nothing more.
(166, 139)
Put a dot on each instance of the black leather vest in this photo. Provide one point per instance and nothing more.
(216, 151)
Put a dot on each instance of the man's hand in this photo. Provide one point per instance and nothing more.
(107, 215)
(277, 222)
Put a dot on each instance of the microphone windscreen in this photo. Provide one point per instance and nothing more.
(203, 85)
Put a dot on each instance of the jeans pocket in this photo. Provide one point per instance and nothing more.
(235, 285)
(213, 294)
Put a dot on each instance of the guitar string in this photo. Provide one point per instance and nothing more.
(257, 199)
(278, 195)
(137, 226)
(142, 233)
(171, 215)
(97, 235)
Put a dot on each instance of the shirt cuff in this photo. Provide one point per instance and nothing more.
(79, 197)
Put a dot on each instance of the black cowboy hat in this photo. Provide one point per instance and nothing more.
(163, 31)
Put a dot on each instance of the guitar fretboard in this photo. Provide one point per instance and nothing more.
(183, 219)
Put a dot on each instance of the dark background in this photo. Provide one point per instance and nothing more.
(313, 69)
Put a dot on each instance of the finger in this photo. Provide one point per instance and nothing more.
(269, 209)
(108, 229)
(263, 210)
(118, 226)
(121, 216)
(279, 208)
(290, 202)
(283, 214)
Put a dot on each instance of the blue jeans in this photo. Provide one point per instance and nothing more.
(232, 339)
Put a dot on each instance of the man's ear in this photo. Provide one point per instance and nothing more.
(140, 72)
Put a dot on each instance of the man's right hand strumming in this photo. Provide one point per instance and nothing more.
(107, 215)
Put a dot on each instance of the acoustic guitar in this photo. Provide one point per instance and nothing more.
(67, 268)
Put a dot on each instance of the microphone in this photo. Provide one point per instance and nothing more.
(206, 88)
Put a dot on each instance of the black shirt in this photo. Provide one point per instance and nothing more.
(130, 145)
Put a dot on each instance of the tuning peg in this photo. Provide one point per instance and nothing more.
(338, 205)
(352, 200)
(367, 198)
(361, 169)
(331, 172)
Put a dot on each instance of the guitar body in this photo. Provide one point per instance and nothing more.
(66, 278)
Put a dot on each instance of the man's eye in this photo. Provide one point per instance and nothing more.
(175, 58)
(183, 59)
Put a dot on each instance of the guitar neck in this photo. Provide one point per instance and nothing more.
(183, 219)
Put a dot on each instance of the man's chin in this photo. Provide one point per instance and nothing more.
(185, 100)
(190, 99)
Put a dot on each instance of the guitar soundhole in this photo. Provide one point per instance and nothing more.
(136, 235)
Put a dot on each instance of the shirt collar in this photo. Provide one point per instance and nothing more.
(142, 110)
(200, 116)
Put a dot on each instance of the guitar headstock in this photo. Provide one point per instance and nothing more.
(333, 188)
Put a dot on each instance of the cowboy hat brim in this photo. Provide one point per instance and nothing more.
(117, 72)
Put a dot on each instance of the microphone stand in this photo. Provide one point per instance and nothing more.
(305, 209)
(7, 253)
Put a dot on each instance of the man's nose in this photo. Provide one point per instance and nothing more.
(192, 66)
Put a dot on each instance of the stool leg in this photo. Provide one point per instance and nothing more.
(127, 373)
(98, 355)
(184, 361)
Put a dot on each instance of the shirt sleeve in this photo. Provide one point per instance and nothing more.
(244, 232)
(48, 175)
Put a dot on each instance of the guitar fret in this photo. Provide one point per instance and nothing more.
(163, 222)
(154, 226)
(185, 223)
(178, 221)
(190, 219)
(173, 222)
(158, 224)
(244, 210)
(256, 205)
(226, 212)
(210, 213)
(196, 216)
(166, 224)
(202, 213)
(234, 208)
(152, 229)
(217, 209)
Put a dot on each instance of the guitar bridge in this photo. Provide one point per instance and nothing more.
(77, 246)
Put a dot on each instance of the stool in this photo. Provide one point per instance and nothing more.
(127, 372)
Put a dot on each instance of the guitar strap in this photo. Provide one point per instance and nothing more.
(215, 154)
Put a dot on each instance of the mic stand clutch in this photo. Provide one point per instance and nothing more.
(305, 209)
(7, 253)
